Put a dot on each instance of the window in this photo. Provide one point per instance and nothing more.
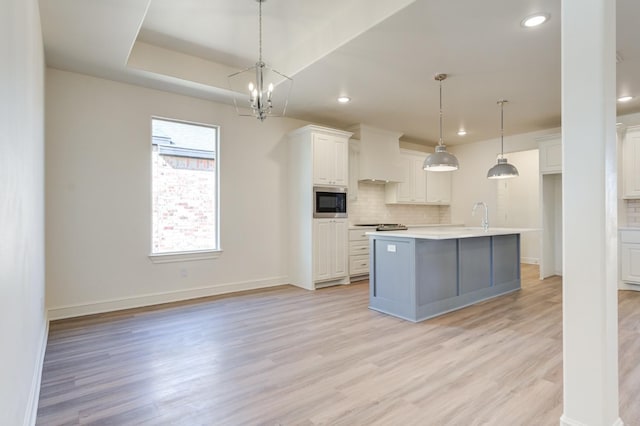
(184, 164)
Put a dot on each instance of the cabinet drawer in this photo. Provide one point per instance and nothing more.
(358, 248)
(359, 234)
(630, 236)
(358, 265)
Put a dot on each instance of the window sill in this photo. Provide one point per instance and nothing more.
(185, 256)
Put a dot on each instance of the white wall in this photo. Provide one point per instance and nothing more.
(98, 198)
(470, 183)
(518, 202)
(22, 314)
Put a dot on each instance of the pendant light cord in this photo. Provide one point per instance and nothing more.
(260, 29)
(440, 142)
(501, 102)
(501, 129)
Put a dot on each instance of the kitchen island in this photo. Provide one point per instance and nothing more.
(424, 272)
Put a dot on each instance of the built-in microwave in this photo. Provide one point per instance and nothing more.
(329, 202)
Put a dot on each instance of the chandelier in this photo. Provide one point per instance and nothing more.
(259, 82)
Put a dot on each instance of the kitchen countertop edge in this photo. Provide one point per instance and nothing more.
(450, 234)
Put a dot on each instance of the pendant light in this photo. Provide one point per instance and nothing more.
(502, 170)
(259, 83)
(441, 160)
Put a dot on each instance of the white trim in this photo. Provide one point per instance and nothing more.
(566, 421)
(34, 394)
(159, 298)
(185, 256)
(626, 286)
(530, 260)
(320, 129)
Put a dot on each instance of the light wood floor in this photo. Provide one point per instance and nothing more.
(286, 356)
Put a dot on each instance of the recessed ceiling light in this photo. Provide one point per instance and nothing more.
(535, 20)
(462, 132)
(344, 99)
(625, 98)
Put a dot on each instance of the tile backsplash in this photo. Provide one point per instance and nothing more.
(371, 208)
(633, 212)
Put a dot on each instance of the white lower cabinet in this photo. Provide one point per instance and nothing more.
(330, 249)
(359, 252)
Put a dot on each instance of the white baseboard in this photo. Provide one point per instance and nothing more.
(566, 421)
(626, 286)
(70, 311)
(34, 394)
(530, 260)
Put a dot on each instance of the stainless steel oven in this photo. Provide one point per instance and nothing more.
(329, 202)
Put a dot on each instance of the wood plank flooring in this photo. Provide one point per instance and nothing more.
(286, 356)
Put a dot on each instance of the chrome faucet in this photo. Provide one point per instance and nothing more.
(485, 221)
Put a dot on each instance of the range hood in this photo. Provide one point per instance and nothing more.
(379, 154)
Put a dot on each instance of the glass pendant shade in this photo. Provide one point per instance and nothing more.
(441, 161)
(502, 170)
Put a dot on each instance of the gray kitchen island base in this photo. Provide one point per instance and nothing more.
(415, 279)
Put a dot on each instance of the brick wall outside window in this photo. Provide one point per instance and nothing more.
(183, 203)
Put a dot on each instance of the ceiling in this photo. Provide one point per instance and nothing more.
(382, 54)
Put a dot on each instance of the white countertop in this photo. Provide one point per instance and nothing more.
(628, 228)
(449, 232)
(429, 225)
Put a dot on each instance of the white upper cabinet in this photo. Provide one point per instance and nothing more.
(550, 148)
(418, 186)
(631, 162)
(330, 160)
(438, 187)
(412, 188)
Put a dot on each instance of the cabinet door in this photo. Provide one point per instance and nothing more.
(630, 262)
(420, 180)
(413, 188)
(340, 244)
(406, 188)
(341, 161)
(438, 187)
(330, 160)
(631, 164)
(330, 257)
(322, 246)
(550, 155)
(323, 153)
